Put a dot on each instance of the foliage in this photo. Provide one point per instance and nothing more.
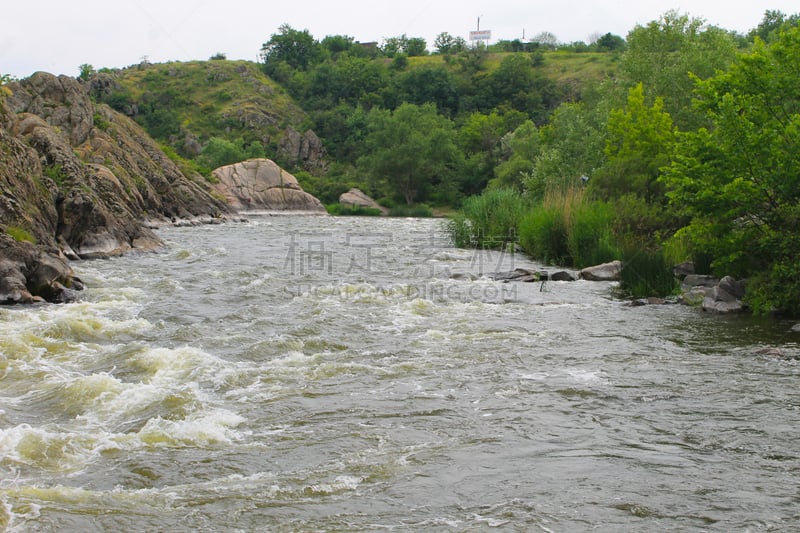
(610, 43)
(640, 140)
(447, 44)
(664, 54)
(86, 72)
(543, 234)
(771, 26)
(414, 211)
(570, 147)
(356, 211)
(590, 238)
(220, 152)
(410, 151)
(519, 150)
(295, 48)
(408, 46)
(489, 220)
(646, 273)
(56, 173)
(20, 234)
(739, 180)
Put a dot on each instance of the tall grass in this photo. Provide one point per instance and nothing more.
(569, 228)
(647, 273)
(490, 220)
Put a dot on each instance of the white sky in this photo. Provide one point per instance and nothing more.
(58, 36)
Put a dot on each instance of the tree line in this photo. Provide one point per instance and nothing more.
(688, 152)
(692, 154)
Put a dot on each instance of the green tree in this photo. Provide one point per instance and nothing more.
(294, 48)
(429, 84)
(219, 152)
(610, 43)
(447, 44)
(640, 141)
(410, 151)
(519, 149)
(86, 72)
(739, 179)
(664, 54)
(416, 46)
(772, 24)
(569, 147)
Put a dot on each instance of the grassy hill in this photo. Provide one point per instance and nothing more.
(184, 104)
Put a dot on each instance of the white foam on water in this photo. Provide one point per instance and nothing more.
(208, 428)
(50, 448)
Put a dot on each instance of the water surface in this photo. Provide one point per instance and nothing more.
(343, 374)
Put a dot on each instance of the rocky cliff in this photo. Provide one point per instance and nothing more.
(81, 181)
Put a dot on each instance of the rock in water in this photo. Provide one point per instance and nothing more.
(604, 272)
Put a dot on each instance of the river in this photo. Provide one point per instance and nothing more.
(297, 373)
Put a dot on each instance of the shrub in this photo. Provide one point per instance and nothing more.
(589, 237)
(340, 210)
(543, 234)
(647, 273)
(490, 220)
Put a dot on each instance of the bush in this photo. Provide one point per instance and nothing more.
(589, 236)
(543, 234)
(340, 210)
(490, 220)
(647, 273)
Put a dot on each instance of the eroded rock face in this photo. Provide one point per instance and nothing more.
(80, 181)
(305, 148)
(30, 274)
(92, 186)
(260, 184)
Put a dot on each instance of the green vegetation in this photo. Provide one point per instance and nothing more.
(20, 234)
(340, 210)
(693, 157)
(489, 220)
(55, 173)
(677, 142)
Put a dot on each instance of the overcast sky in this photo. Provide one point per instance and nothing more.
(58, 36)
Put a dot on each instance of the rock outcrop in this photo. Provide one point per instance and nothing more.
(355, 198)
(30, 274)
(260, 184)
(719, 296)
(305, 148)
(82, 181)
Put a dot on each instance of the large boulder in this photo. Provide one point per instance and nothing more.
(725, 297)
(357, 198)
(604, 272)
(30, 273)
(260, 184)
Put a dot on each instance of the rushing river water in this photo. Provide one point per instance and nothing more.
(342, 374)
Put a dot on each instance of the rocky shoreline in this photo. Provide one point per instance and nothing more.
(79, 180)
(711, 294)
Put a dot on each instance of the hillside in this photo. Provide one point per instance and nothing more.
(185, 105)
